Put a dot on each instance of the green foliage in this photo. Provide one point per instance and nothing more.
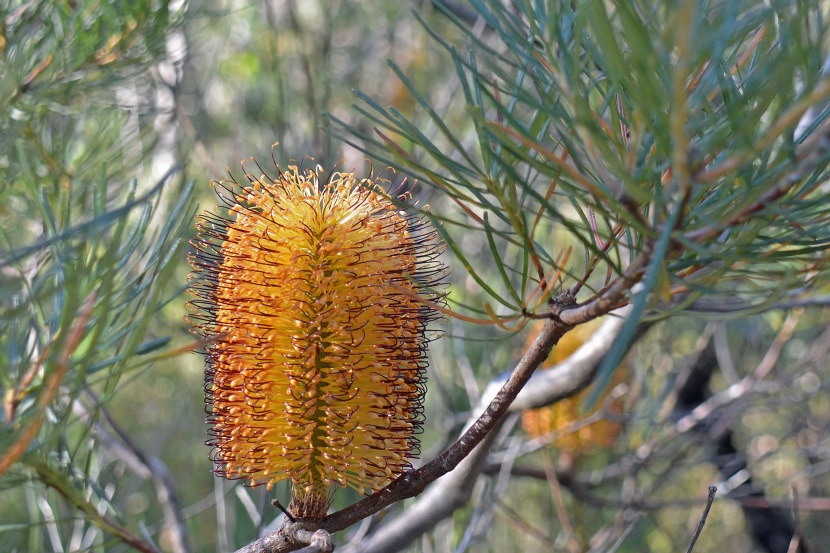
(86, 252)
(588, 147)
(623, 127)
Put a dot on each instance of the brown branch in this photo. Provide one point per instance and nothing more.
(414, 482)
(450, 493)
(454, 490)
(577, 371)
(611, 298)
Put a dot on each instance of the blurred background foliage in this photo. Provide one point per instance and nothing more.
(116, 115)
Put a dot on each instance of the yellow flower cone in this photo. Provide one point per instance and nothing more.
(307, 295)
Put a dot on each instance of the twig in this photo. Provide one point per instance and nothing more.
(699, 529)
(515, 519)
(731, 305)
(54, 478)
(786, 121)
(812, 159)
(632, 524)
(580, 488)
(610, 298)
(774, 351)
(150, 468)
(559, 505)
(276, 503)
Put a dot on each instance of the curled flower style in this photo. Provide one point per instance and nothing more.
(310, 296)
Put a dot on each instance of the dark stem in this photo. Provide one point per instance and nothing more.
(276, 503)
(699, 529)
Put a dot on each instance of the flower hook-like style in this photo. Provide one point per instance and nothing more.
(314, 299)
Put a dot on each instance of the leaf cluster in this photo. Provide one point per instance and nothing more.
(86, 251)
(675, 135)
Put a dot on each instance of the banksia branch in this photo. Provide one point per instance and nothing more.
(310, 296)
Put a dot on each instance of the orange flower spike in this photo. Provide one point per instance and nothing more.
(316, 356)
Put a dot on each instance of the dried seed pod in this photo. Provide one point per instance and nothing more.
(309, 298)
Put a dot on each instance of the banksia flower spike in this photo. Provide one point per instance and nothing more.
(310, 296)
